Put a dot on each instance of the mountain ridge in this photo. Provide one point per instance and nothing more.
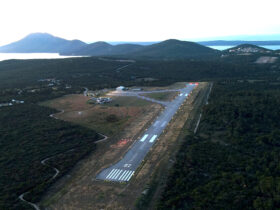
(168, 49)
(103, 48)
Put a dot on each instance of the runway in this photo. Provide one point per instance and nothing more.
(123, 170)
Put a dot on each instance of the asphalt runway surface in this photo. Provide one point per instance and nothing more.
(123, 170)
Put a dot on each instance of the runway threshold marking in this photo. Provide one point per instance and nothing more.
(153, 138)
(124, 174)
(116, 175)
(127, 176)
(124, 178)
(110, 173)
(144, 137)
(130, 175)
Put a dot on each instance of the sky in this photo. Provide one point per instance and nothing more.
(138, 20)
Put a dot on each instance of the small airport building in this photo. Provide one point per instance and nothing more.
(101, 100)
(120, 88)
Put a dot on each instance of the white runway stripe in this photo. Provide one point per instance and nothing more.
(116, 170)
(127, 175)
(128, 178)
(110, 173)
(116, 175)
(153, 138)
(123, 175)
(144, 137)
(163, 124)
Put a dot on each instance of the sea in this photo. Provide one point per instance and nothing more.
(271, 47)
(24, 56)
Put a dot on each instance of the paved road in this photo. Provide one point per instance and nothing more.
(120, 68)
(123, 170)
(86, 91)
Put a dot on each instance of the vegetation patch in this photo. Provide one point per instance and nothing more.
(233, 161)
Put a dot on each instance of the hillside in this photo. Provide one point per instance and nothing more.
(237, 42)
(247, 48)
(172, 49)
(103, 48)
(41, 43)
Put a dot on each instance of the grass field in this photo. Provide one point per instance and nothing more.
(127, 101)
(108, 119)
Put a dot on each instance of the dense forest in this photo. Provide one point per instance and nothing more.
(98, 73)
(27, 136)
(233, 160)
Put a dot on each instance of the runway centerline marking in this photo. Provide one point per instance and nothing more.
(157, 122)
(134, 156)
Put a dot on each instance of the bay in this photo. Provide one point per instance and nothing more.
(24, 56)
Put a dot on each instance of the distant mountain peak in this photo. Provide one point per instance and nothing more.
(39, 34)
(41, 43)
(171, 40)
(101, 43)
